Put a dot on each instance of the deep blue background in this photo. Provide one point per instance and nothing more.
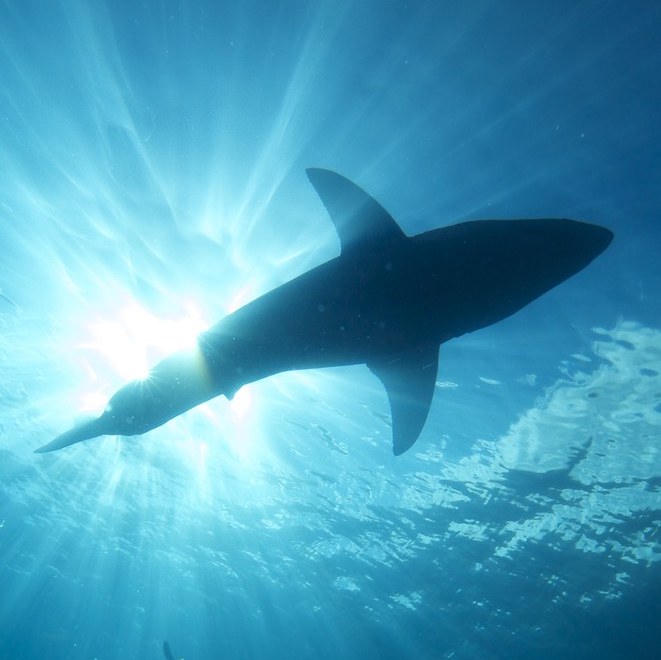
(152, 158)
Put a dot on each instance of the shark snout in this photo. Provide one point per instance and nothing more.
(576, 242)
(590, 241)
(597, 237)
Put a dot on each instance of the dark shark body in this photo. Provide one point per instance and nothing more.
(388, 301)
(167, 651)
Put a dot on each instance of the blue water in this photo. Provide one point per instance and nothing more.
(152, 160)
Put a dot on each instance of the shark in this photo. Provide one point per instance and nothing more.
(387, 301)
(167, 651)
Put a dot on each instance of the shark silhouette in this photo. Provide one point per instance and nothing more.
(388, 301)
(167, 651)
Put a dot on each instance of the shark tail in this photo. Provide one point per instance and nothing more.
(90, 428)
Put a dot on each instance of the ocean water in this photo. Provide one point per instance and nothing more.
(152, 179)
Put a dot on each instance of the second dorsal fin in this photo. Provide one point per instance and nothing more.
(358, 218)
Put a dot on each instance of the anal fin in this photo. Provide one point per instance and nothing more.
(410, 380)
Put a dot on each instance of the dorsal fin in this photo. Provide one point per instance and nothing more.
(410, 381)
(358, 218)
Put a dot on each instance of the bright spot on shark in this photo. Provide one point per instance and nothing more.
(125, 345)
(135, 339)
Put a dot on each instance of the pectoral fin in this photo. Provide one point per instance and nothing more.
(410, 380)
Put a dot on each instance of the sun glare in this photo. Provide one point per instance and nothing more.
(126, 345)
(135, 339)
(241, 404)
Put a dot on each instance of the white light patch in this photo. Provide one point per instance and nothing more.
(242, 403)
(93, 401)
(134, 340)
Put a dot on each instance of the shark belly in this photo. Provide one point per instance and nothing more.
(319, 319)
